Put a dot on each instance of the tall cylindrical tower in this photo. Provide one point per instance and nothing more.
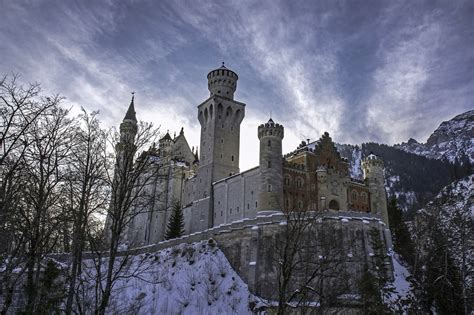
(372, 166)
(270, 196)
(222, 82)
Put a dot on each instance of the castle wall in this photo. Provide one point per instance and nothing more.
(235, 198)
(342, 240)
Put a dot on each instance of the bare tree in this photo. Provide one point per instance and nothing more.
(134, 171)
(22, 111)
(310, 262)
(86, 190)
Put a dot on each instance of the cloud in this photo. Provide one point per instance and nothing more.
(363, 72)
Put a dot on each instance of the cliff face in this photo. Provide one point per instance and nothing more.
(452, 139)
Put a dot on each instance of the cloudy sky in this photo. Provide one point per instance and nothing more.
(362, 70)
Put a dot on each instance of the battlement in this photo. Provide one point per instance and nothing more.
(222, 82)
(372, 160)
(270, 129)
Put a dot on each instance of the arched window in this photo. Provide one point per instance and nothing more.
(363, 196)
(287, 180)
(354, 195)
(269, 143)
(299, 182)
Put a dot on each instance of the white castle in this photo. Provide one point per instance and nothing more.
(212, 190)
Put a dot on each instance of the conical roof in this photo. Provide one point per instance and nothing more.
(131, 115)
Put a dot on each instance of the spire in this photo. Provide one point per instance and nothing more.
(131, 115)
(182, 131)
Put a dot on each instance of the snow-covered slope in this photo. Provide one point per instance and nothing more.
(185, 279)
(453, 211)
(452, 139)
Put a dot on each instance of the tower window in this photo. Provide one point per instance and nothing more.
(269, 164)
(256, 204)
(248, 206)
(230, 210)
(232, 158)
(269, 187)
(222, 140)
(221, 156)
(269, 143)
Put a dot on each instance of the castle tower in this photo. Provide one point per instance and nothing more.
(372, 166)
(222, 82)
(165, 145)
(125, 151)
(220, 117)
(270, 196)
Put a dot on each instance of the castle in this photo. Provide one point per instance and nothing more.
(213, 191)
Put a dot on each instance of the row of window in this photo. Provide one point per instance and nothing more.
(238, 209)
(355, 196)
(298, 182)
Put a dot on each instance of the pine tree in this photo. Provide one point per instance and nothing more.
(369, 290)
(175, 226)
(402, 241)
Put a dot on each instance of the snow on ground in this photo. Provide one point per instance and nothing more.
(401, 274)
(398, 299)
(185, 279)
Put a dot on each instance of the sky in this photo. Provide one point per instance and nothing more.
(364, 70)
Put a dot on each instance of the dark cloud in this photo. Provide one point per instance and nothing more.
(362, 70)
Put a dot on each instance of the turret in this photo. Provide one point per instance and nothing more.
(372, 166)
(270, 196)
(222, 82)
(128, 127)
(166, 144)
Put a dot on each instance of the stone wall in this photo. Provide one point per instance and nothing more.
(250, 246)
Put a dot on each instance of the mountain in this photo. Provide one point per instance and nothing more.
(412, 178)
(416, 172)
(452, 139)
(450, 216)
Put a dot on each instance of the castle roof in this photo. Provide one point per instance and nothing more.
(166, 137)
(131, 115)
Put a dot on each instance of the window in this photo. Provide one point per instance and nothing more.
(238, 208)
(248, 206)
(287, 181)
(269, 164)
(299, 182)
(222, 140)
(230, 210)
(269, 188)
(232, 158)
(363, 196)
(256, 204)
(221, 213)
(269, 143)
(354, 195)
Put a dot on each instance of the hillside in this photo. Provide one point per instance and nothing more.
(185, 279)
